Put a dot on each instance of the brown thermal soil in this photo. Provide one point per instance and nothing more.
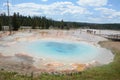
(18, 63)
(113, 45)
(24, 64)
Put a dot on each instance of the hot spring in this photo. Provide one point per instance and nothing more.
(61, 50)
(54, 52)
(68, 51)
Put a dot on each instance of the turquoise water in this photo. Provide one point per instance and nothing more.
(63, 50)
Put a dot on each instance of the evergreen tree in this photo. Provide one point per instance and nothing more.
(62, 24)
(15, 22)
(45, 23)
(0, 25)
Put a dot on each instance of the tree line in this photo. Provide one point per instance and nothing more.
(41, 22)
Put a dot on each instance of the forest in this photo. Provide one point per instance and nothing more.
(42, 22)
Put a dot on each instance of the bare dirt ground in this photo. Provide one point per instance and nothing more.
(18, 63)
(113, 45)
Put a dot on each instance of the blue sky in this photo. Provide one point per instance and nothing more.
(92, 11)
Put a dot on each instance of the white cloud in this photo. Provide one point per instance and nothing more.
(92, 2)
(105, 15)
(5, 4)
(44, 0)
(69, 11)
(108, 13)
(95, 19)
(26, 9)
(57, 8)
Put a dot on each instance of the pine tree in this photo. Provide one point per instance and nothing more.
(15, 21)
(62, 24)
(0, 24)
